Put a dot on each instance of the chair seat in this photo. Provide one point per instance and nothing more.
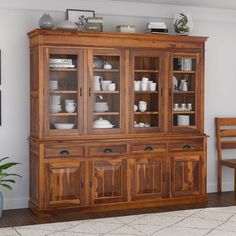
(229, 163)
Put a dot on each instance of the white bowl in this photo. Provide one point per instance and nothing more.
(101, 123)
(64, 125)
(66, 25)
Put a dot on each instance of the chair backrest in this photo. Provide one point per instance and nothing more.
(225, 134)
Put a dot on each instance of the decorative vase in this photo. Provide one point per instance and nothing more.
(183, 24)
(46, 21)
(1, 204)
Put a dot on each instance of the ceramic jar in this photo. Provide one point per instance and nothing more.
(46, 21)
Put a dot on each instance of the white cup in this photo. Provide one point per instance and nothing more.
(53, 84)
(137, 85)
(183, 106)
(105, 84)
(152, 86)
(144, 85)
(142, 103)
(141, 125)
(70, 107)
(189, 106)
(111, 87)
(176, 107)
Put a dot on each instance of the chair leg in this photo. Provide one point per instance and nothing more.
(219, 182)
(235, 183)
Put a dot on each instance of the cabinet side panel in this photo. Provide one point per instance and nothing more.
(34, 173)
(34, 95)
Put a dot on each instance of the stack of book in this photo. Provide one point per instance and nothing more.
(94, 24)
(157, 28)
(61, 63)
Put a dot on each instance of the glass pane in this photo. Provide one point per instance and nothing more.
(63, 86)
(106, 78)
(146, 97)
(184, 91)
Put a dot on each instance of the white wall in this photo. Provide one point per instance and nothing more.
(19, 17)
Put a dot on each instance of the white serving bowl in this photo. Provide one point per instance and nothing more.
(55, 108)
(100, 106)
(102, 124)
(64, 125)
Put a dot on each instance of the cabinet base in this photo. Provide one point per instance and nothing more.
(203, 199)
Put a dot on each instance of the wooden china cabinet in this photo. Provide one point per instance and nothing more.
(117, 120)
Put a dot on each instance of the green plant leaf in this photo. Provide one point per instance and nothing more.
(7, 165)
(8, 180)
(4, 158)
(6, 186)
(3, 175)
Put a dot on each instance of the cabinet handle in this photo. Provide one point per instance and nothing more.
(148, 149)
(82, 182)
(186, 147)
(89, 92)
(107, 150)
(81, 92)
(170, 91)
(64, 152)
(91, 183)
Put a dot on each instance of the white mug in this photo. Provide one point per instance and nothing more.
(153, 86)
(189, 106)
(144, 86)
(137, 85)
(70, 107)
(105, 84)
(111, 87)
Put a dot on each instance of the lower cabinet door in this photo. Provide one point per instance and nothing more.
(108, 180)
(64, 183)
(149, 177)
(186, 173)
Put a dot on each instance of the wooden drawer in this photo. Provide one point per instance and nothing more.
(148, 147)
(107, 150)
(187, 145)
(63, 150)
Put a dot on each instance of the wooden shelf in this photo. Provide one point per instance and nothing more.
(183, 92)
(184, 72)
(140, 92)
(183, 112)
(146, 71)
(64, 114)
(106, 113)
(106, 70)
(184, 126)
(106, 92)
(146, 113)
(63, 69)
(63, 91)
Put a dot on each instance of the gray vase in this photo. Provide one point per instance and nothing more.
(1, 204)
(46, 21)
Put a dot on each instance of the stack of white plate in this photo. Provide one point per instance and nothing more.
(183, 120)
(61, 63)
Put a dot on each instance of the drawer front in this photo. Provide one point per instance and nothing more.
(148, 147)
(107, 150)
(63, 150)
(186, 145)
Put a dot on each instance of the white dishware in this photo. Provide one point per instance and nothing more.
(183, 107)
(70, 107)
(135, 108)
(55, 108)
(183, 85)
(66, 25)
(55, 99)
(53, 84)
(111, 87)
(175, 83)
(97, 63)
(145, 79)
(107, 66)
(105, 84)
(141, 124)
(152, 86)
(64, 125)
(137, 85)
(187, 64)
(142, 103)
(69, 101)
(142, 108)
(189, 106)
(136, 125)
(176, 107)
(102, 124)
(97, 80)
(147, 125)
(144, 86)
(100, 106)
(183, 120)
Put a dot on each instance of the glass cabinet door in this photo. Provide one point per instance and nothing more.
(106, 92)
(147, 89)
(184, 90)
(64, 91)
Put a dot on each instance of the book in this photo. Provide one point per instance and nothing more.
(157, 30)
(95, 20)
(156, 26)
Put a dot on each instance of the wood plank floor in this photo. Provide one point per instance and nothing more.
(26, 217)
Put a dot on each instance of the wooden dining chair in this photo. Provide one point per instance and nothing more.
(225, 139)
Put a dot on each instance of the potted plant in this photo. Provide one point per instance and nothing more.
(6, 179)
(182, 24)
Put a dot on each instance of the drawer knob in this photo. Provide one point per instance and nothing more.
(186, 147)
(64, 152)
(107, 150)
(148, 149)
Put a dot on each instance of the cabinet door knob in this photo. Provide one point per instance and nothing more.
(81, 92)
(64, 152)
(148, 149)
(186, 147)
(89, 92)
(107, 150)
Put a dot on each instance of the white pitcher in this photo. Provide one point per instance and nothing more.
(183, 85)
(97, 80)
